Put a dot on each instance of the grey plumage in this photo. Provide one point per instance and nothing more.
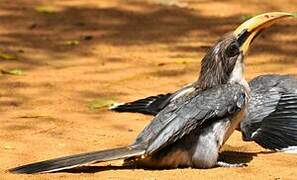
(192, 128)
(174, 138)
(68, 162)
(218, 64)
(152, 105)
(195, 110)
(189, 131)
(271, 118)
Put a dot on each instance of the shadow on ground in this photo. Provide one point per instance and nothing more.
(147, 24)
(226, 156)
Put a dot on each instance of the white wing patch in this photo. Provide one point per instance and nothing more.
(290, 149)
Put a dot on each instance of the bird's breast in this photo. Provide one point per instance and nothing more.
(233, 124)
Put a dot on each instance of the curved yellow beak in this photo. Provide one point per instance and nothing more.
(248, 30)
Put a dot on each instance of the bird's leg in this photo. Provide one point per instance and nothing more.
(229, 165)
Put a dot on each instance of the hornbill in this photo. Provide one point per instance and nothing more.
(271, 117)
(190, 130)
(271, 113)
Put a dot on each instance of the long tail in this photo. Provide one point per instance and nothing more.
(150, 105)
(68, 162)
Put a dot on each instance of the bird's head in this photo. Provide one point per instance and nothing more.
(224, 62)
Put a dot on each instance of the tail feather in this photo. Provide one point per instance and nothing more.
(69, 162)
(151, 105)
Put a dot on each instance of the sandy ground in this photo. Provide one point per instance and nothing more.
(121, 50)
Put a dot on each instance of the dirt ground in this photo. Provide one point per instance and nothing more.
(73, 52)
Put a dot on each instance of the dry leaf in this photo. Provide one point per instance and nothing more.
(71, 43)
(7, 56)
(46, 9)
(101, 103)
(16, 72)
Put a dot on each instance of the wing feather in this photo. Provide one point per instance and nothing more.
(186, 114)
(279, 129)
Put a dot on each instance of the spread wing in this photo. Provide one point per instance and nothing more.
(271, 118)
(261, 104)
(287, 83)
(152, 105)
(186, 114)
(279, 129)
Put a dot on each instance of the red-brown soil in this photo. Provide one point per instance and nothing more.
(127, 50)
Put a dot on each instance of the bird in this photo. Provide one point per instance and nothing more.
(271, 117)
(190, 131)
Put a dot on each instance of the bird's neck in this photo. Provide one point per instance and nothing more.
(211, 75)
(237, 75)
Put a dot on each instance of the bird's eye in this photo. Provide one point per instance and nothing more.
(232, 50)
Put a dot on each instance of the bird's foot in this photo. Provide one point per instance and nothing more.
(229, 165)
